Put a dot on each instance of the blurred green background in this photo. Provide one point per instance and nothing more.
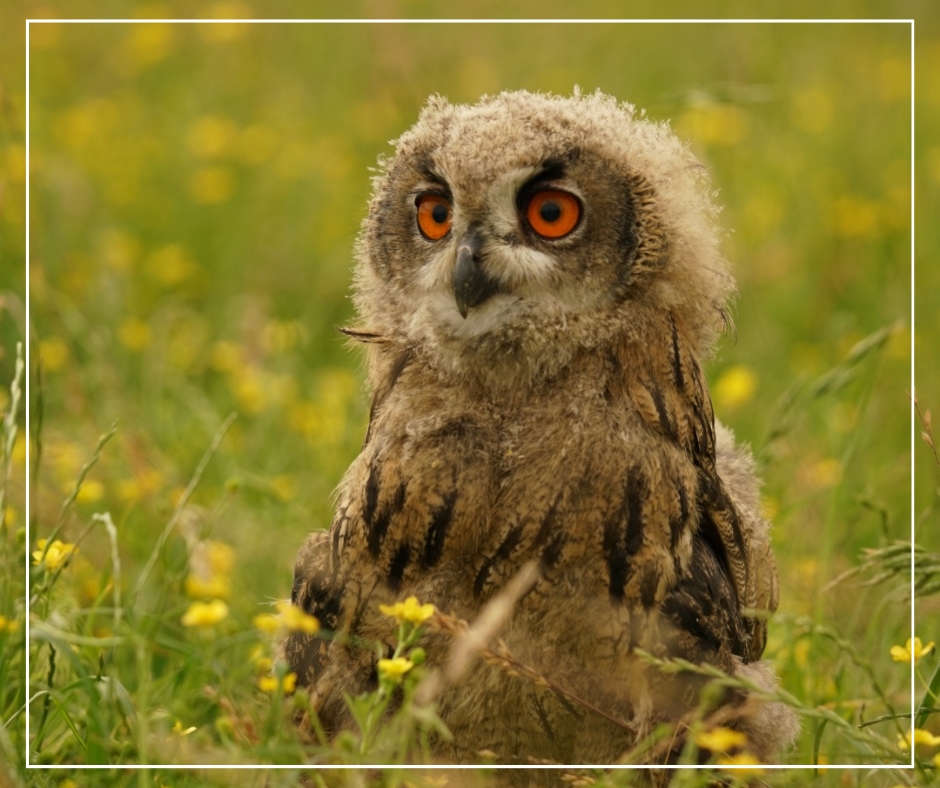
(196, 189)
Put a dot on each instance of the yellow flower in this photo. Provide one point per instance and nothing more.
(91, 490)
(57, 554)
(216, 586)
(720, 739)
(735, 387)
(296, 620)
(171, 265)
(826, 472)
(396, 668)
(284, 486)
(221, 556)
(913, 650)
(921, 736)
(210, 185)
(409, 610)
(54, 353)
(267, 622)
(134, 334)
(270, 683)
(225, 356)
(211, 136)
(936, 760)
(178, 729)
(288, 617)
(742, 764)
(205, 614)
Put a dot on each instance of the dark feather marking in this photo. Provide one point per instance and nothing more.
(691, 606)
(372, 493)
(713, 503)
(649, 585)
(552, 169)
(616, 560)
(321, 601)
(547, 523)
(678, 524)
(668, 429)
(502, 553)
(676, 356)
(552, 551)
(379, 526)
(339, 521)
(623, 535)
(718, 505)
(633, 501)
(397, 569)
(543, 719)
(440, 522)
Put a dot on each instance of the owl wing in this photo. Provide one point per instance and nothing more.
(730, 567)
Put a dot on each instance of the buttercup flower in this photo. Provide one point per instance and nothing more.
(396, 668)
(267, 622)
(288, 617)
(296, 620)
(720, 739)
(270, 683)
(913, 650)
(55, 555)
(920, 737)
(216, 586)
(204, 614)
(741, 764)
(409, 610)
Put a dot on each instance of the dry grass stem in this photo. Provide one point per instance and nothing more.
(472, 642)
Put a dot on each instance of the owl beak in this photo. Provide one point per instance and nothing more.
(471, 285)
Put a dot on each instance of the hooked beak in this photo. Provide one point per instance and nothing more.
(471, 285)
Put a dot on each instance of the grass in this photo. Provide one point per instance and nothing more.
(194, 196)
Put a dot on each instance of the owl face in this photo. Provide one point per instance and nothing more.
(505, 237)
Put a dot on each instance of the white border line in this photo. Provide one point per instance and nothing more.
(913, 394)
(597, 21)
(27, 373)
(309, 767)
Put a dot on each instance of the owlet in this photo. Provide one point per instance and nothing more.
(539, 282)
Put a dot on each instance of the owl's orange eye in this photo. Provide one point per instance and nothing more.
(553, 213)
(434, 216)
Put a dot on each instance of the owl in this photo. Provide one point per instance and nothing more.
(538, 285)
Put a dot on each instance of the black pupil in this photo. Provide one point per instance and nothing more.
(550, 211)
(439, 213)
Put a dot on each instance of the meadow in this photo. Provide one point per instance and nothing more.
(195, 191)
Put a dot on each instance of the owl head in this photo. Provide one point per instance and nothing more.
(506, 237)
